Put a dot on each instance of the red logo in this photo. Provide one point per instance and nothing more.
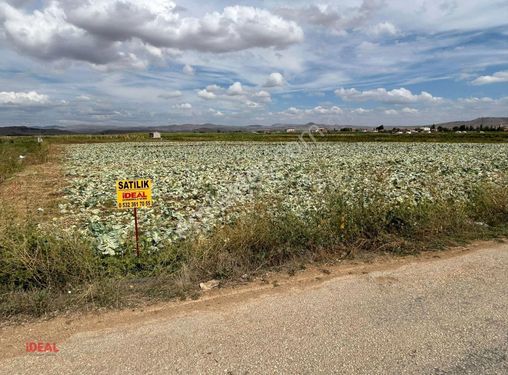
(134, 195)
(41, 347)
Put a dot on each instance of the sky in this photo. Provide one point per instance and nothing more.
(157, 62)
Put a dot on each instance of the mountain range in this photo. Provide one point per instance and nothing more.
(212, 128)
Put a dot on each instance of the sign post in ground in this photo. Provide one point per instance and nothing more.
(134, 194)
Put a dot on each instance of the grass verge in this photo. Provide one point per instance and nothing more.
(18, 152)
(44, 271)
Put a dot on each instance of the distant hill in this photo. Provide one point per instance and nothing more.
(213, 128)
(476, 123)
(24, 130)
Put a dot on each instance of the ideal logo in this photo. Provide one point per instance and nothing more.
(135, 195)
(41, 347)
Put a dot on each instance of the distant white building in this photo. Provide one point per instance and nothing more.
(155, 135)
(291, 130)
(426, 129)
(318, 130)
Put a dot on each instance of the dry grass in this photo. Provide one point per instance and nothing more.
(37, 186)
(46, 270)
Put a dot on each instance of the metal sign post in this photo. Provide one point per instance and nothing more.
(136, 229)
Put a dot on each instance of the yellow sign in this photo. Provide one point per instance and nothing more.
(134, 193)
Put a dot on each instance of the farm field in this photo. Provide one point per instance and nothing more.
(199, 187)
(224, 210)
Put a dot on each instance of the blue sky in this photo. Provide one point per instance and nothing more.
(158, 62)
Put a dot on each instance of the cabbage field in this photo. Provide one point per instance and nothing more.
(200, 186)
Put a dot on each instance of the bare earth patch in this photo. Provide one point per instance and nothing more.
(36, 190)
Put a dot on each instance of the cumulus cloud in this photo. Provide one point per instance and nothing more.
(495, 78)
(360, 110)
(405, 110)
(104, 31)
(170, 94)
(383, 29)
(215, 112)
(292, 111)
(263, 96)
(409, 110)
(47, 35)
(327, 110)
(274, 79)
(475, 100)
(235, 89)
(330, 17)
(188, 69)
(84, 98)
(391, 112)
(23, 98)
(205, 94)
(183, 106)
(236, 92)
(395, 96)
(318, 110)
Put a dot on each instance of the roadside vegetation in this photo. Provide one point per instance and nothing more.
(17, 152)
(45, 271)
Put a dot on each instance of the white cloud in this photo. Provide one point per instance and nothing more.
(495, 78)
(333, 18)
(23, 98)
(183, 106)
(391, 112)
(409, 110)
(214, 88)
(236, 93)
(188, 69)
(215, 112)
(170, 94)
(83, 98)
(126, 31)
(275, 80)
(383, 29)
(360, 110)
(475, 100)
(205, 94)
(263, 96)
(327, 110)
(293, 111)
(395, 96)
(235, 89)
(318, 110)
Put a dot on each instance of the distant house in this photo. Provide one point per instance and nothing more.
(426, 129)
(318, 130)
(291, 130)
(155, 135)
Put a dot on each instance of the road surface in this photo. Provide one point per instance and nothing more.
(438, 316)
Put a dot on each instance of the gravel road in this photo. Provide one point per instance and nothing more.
(444, 316)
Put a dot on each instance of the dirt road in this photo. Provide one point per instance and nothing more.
(436, 316)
